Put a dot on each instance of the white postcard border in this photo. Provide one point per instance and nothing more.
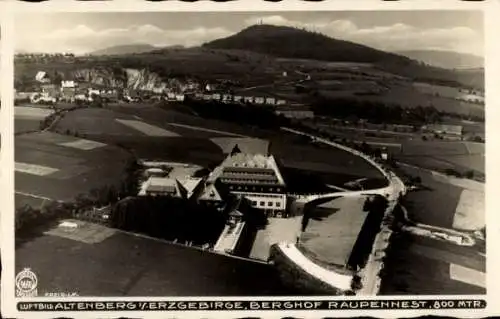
(492, 78)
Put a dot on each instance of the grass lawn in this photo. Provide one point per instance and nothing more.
(78, 170)
(407, 273)
(130, 265)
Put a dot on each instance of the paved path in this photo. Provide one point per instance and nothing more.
(342, 282)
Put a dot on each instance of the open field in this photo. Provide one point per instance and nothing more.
(110, 121)
(130, 265)
(28, 119)
(67, 170)
(190, 139)
(446, 202)
(434, 205)
(328, 160)
(462, 156)
(410, 148)
(26, 125)
(446, 91)
(409, 97)
(35, 113)
(333, 229)
(407, 270)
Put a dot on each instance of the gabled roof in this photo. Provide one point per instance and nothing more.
(189, 185)
(211, 193)
(177, 187)
(164, 185)
(251, 168)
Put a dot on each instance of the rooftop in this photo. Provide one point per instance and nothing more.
(164, 185)
(242, 166)
(178, 187)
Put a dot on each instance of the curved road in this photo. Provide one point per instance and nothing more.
(370, 274)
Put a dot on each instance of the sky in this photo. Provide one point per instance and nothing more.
(79, 33)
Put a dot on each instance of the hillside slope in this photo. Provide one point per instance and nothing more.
(301, 44)
(294, 43)
(446, 59)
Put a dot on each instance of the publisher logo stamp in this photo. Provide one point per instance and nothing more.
(26, 283)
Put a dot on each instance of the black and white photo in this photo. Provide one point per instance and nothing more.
(250, 154)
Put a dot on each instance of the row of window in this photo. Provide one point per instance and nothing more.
(269, 204)
(260, 195)
(254, 188)
(261, 182)
(249, 172)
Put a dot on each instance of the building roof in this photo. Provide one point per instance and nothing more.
(190, 184)
(179, 187)
(210, 193)
(248, 168)
(68, 84)
(41, 75)
(162, 185)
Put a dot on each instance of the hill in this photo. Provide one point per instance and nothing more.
(296, 43)
(446, 59)
(125, 49)
(288, 42)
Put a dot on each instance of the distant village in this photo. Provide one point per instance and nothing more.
(47, 91)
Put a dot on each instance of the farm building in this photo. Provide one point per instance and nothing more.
(92, 91)
(50, 89)
(158, 90)
(68, 89)
(111, 94)
(42, 77)
(171, 96)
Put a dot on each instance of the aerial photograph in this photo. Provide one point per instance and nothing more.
(249, 153)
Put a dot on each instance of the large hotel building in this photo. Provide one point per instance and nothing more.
(255, 177)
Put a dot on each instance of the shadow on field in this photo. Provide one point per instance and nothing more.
(320, 213)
